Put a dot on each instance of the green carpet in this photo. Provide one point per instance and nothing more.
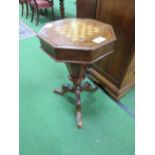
(70, 11)
(129, 99)
(47, 121)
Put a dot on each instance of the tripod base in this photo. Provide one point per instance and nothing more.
(76, 89)
(76, 75)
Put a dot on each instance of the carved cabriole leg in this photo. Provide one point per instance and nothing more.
(77, 91)
(27, 10)
(62, 8)
(65, 88)
(78, 107)
(37, 13)
(32, 14)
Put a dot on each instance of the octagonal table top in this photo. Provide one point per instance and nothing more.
(74, 33)
(75, 40)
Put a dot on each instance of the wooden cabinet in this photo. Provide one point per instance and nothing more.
(86, 8)
(115, 72)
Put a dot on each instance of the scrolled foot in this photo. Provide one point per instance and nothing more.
(65, 88)
(79, 119)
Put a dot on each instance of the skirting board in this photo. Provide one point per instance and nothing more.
(112, 90)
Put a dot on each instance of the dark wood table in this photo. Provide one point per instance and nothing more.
(78, 43)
